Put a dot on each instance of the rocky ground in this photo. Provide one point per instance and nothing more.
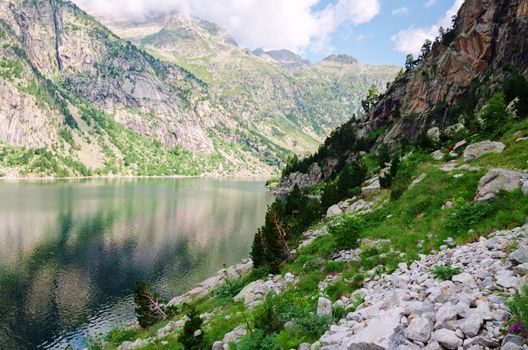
(411, 309)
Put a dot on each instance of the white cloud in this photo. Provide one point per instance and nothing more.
(271, 24)
(429, 3)
(400, 11)
(410, 40)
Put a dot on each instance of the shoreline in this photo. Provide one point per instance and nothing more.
(128, 177)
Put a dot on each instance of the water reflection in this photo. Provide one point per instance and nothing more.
(70, 252)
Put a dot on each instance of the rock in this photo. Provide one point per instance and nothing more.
(218, 345)
(514, 339)
(506, 279)
(138, 343)
(333, 211)
(520, 255)
(476, 150)
(379, 332)
(304, 346)
(464, 278)
(521, 269)
(419, 329)
(446, 312)
(511, 346)
(496, 180)
(234, 335)
(437, 155)
(417, 180)
(324, 307)
(447, 205)
(459, 145)
(434, 134)
(448, 339)
(472, 325)
(454, 130)
(433, 346)
(370, 189)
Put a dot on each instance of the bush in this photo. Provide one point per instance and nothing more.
(350, 178)
(445, 272)
(257, 340)
(467, 216)
(330, 195)
(192, 334)
(494, 115)
(266, 318)
(346, 234)
(518, 307)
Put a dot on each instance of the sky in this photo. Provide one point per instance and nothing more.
(373, 31)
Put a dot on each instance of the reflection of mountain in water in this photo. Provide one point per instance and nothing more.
(172, 233)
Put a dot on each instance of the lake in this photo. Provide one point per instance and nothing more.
(72, 251)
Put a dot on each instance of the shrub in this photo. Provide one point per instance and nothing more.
(494, 115)
(518, 307)
(257, 340)
(346, 234)
(192, 334)
(330, 195)
(266, 318)
(467, 216)
(445, 272)
(350, 178)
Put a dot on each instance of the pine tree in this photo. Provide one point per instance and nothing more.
(148, 306)
(258, 250)
(192, 335)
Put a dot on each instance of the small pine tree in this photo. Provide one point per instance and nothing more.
(383, 155)
(258, 250)
(294, 201)
(330, 195)
(351, 177)
(148, 306)
(192, 335)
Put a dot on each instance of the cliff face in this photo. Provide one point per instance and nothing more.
(490, 36)
(444, 89)
(195, 92)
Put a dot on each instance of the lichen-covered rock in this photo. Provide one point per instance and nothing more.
(477, 150)
(496, 180)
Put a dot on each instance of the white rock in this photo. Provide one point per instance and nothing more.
(496, 180)
(419, 329)
(447, 338)
(437, 155)
(478, 149)
(446, 312)
(324, 307)
(333, 211)
(234, 335)
(472, 325)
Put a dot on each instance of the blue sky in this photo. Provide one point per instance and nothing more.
(373, 31)
(370, 42)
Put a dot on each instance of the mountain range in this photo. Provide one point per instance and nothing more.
(168, 95)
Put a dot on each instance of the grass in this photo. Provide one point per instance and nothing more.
(445, 272)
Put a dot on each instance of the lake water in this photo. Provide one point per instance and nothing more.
(71, 251)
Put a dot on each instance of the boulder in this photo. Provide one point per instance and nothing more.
(234, 335)
(506, 279)
(333, 211)
(371, 188)
(218, 345)
(447, 338)
(446, 312)
(434, 134)
(496, 180)
(472, 325)
(324, 307)
(459, 145)
(437, 155)
(419, 329)
(255, 292)
(520, 255)
(477, 150)
(382, 329)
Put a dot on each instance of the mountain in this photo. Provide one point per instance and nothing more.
(178, 97)
(445, 95)
(285, 58)
(293, 108)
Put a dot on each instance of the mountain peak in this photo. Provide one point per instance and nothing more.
(342, 58)
(283, 57)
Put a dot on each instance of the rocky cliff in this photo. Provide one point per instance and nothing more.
(91, 102)
(443, 94)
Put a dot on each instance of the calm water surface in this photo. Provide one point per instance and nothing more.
(71, 251)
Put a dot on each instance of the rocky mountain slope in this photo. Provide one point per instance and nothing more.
(78, 99)
(447, 93)
(282, 97)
